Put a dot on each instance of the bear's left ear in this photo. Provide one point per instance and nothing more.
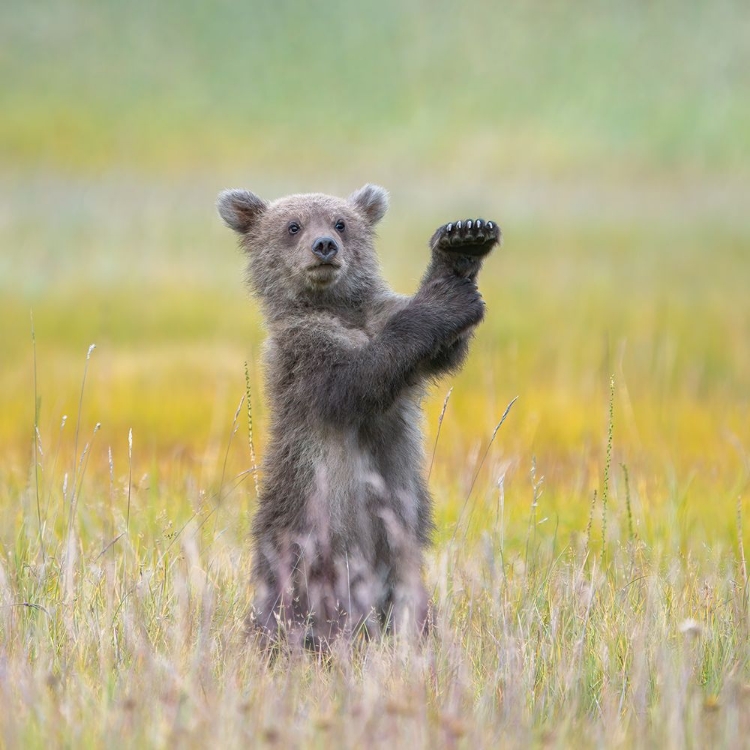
(371, 201)
(240, 209)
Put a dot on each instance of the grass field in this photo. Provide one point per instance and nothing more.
(589, 569)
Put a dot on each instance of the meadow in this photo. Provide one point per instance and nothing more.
(589, 570)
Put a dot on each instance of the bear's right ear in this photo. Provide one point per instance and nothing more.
(240, 209)
(372, 201)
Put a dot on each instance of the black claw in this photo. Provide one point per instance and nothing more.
(449, 227)
(489, 225)
(468, 223)
(479, 223)
(458, 224)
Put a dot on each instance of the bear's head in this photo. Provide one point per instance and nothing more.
(311, 249)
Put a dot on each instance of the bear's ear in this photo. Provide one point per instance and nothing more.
(240, 209)
(371, 201)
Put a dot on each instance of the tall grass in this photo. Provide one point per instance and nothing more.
(146, 649)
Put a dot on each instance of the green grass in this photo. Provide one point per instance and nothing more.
(613, 146)
(500, 87)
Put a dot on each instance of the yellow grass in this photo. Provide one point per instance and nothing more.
(122, 617)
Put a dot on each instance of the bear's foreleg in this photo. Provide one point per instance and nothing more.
(351, 383)
(458, 249)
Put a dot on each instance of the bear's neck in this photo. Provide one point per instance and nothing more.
(352, 307)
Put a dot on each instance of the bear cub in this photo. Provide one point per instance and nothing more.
(344, 512)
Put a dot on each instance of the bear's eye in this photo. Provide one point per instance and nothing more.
(340, 226)
(293, 227)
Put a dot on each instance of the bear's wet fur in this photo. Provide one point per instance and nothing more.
(344, 512)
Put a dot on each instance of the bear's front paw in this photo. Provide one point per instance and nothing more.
(473, 237)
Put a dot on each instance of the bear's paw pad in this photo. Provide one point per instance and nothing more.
(474, 237)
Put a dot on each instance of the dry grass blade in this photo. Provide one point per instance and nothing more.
(479, 468)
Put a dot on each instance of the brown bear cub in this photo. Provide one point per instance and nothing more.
(345, 512)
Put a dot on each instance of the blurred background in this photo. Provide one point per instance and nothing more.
(610, 141)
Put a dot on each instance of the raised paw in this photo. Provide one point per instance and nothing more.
(473, 237)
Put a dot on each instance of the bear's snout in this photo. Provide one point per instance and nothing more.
(325, 248)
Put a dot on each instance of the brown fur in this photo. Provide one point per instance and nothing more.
(344, 512)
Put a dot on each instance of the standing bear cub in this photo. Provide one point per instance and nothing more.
(344, 511)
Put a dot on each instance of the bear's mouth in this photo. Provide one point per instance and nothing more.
(322, 273)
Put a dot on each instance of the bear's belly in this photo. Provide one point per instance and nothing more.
(356, 499)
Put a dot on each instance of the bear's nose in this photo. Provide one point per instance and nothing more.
(325, 248)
